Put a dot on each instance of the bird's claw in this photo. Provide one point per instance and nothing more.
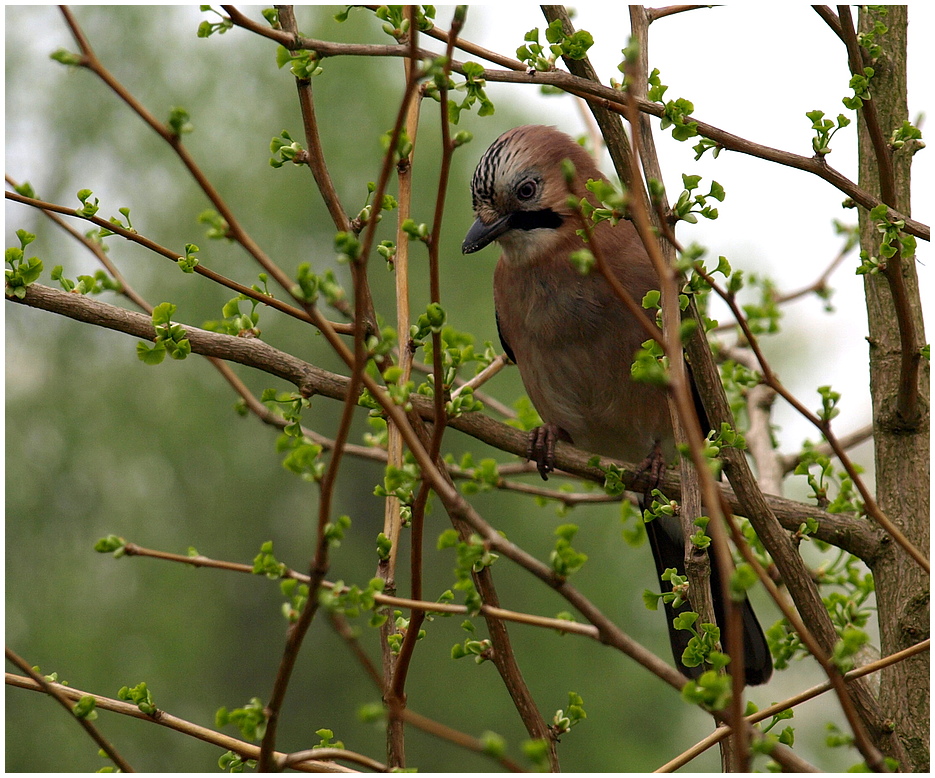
(650, 473)
(541, 447)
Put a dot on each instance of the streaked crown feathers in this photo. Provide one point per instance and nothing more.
(530, 151)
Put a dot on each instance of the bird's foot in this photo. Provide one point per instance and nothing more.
(650, 473)
(541, 447)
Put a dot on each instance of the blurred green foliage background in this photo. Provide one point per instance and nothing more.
(99, 443)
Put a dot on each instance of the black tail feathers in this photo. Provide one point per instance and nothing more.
(668, 552)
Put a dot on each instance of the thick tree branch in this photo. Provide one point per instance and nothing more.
(882, 151)
(699, 487)
(860, 707)
(853, 535)
(901, 412)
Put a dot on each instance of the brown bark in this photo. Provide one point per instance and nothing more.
(901, 438)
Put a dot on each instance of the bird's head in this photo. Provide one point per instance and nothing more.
(520, 193)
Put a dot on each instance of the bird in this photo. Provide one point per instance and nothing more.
(574, 340)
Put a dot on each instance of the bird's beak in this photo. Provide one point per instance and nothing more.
(482, 234)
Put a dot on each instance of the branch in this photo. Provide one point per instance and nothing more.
(365, 321)
(882, 151)
(819, 286)
(54, 690)
(312, 380)
(96, 248)
(653, 14)
(417, 720)
(200, 269)
(830, 18)
(777, 543)
(759, 433)
(315, 159)
(853, 535)
(791, 702)
(90, 61)
(823, 426)
(421, 722)
(700, 485)
(298, 757)
(395, 452)
(381, 455)
(855, 438)
(608, 119)
(243, 749)
(598, 96)
(390, 601)
(820, 636)
(907, 400)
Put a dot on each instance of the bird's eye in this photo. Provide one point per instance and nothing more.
(527, 190)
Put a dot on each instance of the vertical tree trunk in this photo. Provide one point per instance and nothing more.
(901, 440)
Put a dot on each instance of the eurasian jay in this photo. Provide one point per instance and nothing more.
(573, 339)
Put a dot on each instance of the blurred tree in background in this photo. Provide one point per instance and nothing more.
(169, 458)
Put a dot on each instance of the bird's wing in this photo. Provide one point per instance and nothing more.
(503, 340)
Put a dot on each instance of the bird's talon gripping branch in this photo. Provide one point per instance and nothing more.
(541, 447)
(650, 473)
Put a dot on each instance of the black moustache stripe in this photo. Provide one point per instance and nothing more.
(545, 219)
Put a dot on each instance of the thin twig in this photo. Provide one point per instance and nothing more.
(596, 94)
(235, 229)
(327, 754)
(498, 363)
(54, 690)
(200, 269)
(389, 601)
(410, 717)
(315, 159)
(160, 717)
(392, 511)
(818, 286)
(658, 13)
(907, 397)
(357, 363)
(396, 692)
(770, 378)
(852, 439)
(791, 702)
(393, 679)
(96, 248)
(830, 18)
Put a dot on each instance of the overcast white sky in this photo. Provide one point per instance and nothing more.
(755, 70)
